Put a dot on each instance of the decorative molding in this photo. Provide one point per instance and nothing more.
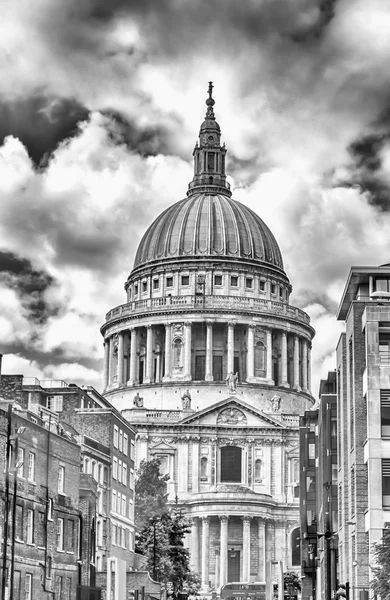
(231, 416)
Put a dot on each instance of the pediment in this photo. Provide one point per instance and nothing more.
(232, 412)
(162, 447)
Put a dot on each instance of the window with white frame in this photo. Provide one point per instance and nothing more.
(20, 463)
(124, 474)
(123, 505)
(113, 502)
(116, 435)
(115, 468)
(58, 587)
(28, 586)
(60, 534)
(55, 403)
(31, 466)
(120, 444)
(61, 479)
(125, 444)
(30, 526)
(120, 471)
(132, 449)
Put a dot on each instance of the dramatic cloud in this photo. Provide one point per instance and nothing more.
(99, 114)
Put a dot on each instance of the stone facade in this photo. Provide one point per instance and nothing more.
(363, 370)
(211, 364)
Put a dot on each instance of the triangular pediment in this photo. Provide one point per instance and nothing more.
(162, 447)
(232, 412)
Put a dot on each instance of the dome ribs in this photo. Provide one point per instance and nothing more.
(206, 224)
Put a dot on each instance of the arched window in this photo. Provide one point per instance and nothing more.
(93, 469)
(100, 473)
(231, 464)
(258, 470)
(203, 467)
(86, 465)
(295, 548)
(177, 352)
(260, 359)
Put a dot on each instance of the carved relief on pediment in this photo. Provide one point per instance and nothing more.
(231, 416)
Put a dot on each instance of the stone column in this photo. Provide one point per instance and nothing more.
(246, 548)
(106, 362)
(158, 366)
(250, 363)
(187, 351)
(168, 352)
(261, 532)
(120, 358)
(308, 367)
(284, 381)
(269, 355)
(223, 550)
(195, 544)
(149, 354)
(209, 352)
(296, 363)
(111, 361)
(133, 357)
(304, 365)
(230, 348)
(205, 553)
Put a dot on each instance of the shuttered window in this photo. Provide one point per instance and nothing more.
(385, 413)
(386, 482)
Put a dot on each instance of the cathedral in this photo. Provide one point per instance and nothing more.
(210, 362)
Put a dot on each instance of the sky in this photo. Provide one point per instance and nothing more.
(100, 108)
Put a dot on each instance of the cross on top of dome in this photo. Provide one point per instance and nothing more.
(210, 103)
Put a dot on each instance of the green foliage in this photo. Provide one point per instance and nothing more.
(381, 565)
(161, 531)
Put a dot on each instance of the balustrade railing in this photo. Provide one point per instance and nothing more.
(211, 302)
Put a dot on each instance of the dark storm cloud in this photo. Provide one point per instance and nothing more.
(367, 172)
(30, 285)
(40, 122)
(147, 141)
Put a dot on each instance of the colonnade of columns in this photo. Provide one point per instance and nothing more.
(200, 541)
(115, 372)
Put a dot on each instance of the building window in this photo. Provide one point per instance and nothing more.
(50, 509)
(156, 284)
(120, 471)
(132, 450)
(60, 534)
(116, 434)
(295, 548)
(169, 282)
(55, 403)
(19, 522)
(120, 445)
(20, 464)
(273, 288)
(234, 281)
(123, 511)
(30, 526)
(71, 535)
(144, 286)
(61, 479)
(281, 292)
(248, 282)
(262, 285)
(31, 466)
(125, 444)
(114, 534)
(217, 279)
(135, 291)
(231, 464)
(210, 161)
(58, 587)
(386, 482)
(382, 285)
(115, 468)
(113, 508)
(385, 413)
(28, 586)
(185, 280)
(68, 588)
(124, 474)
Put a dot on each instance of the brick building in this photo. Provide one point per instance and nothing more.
(318, 498)
(106, 447)
(50, 508)
(363, 391)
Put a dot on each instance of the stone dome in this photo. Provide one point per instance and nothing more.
(206, 225)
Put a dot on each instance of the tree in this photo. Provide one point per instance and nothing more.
(161, 531)
(381, 565)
